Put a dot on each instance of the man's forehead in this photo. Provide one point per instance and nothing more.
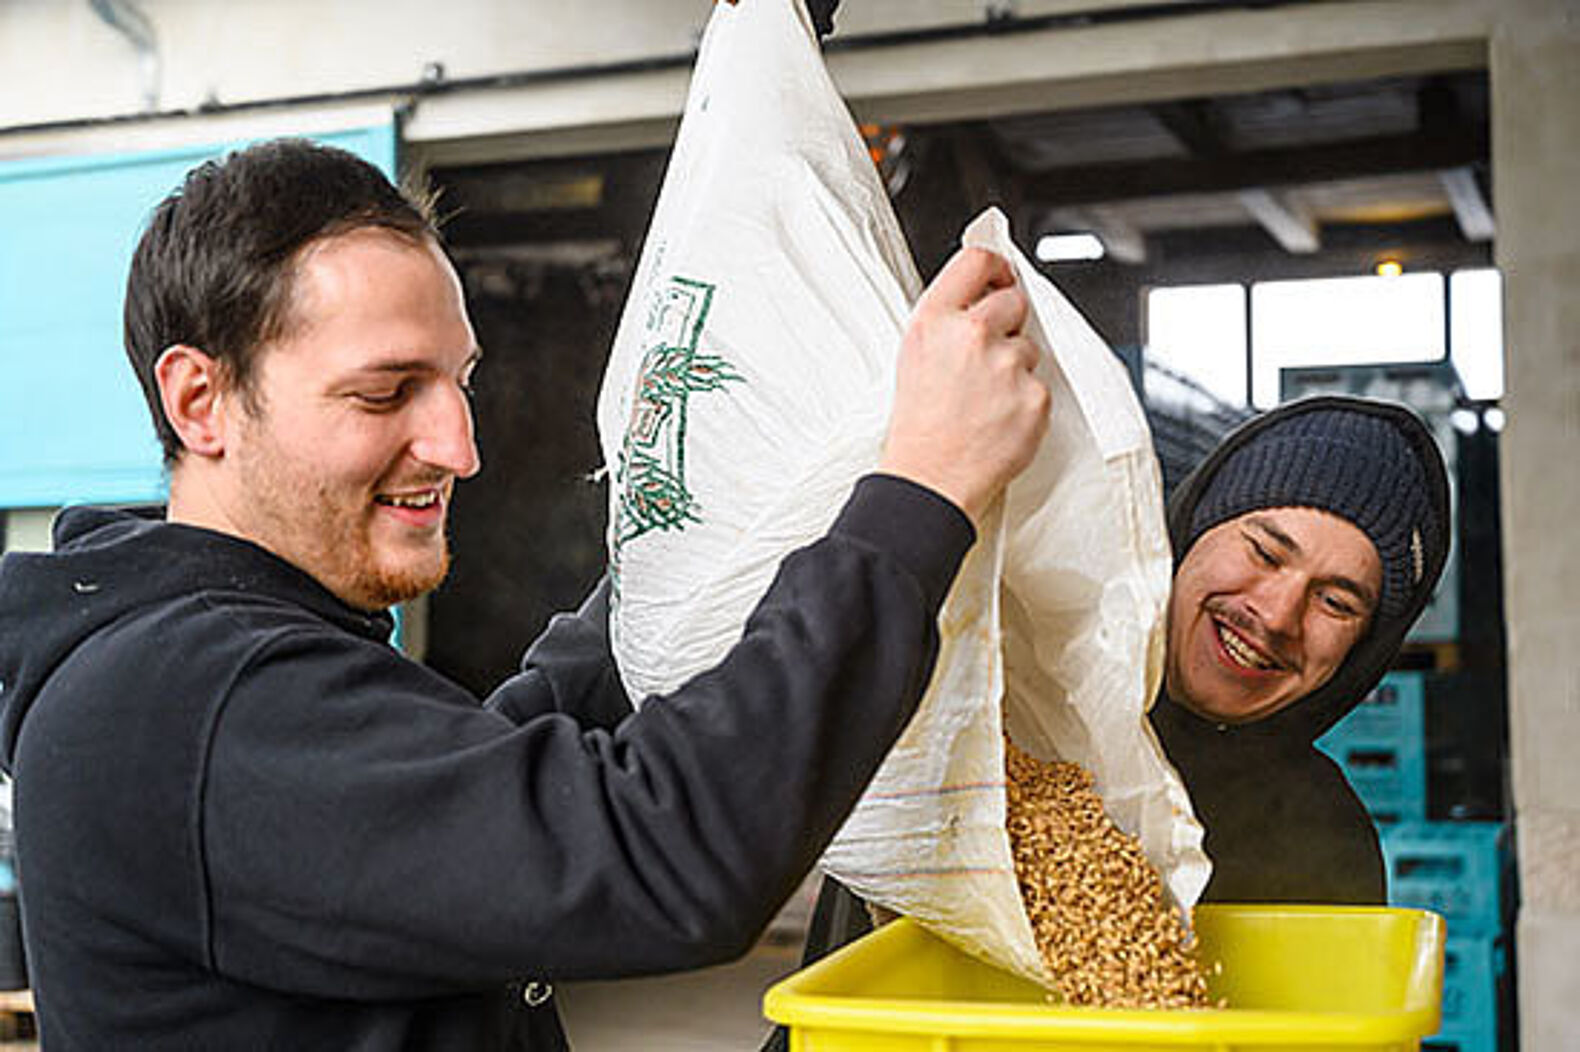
(395, 298)
(1290, 523)
(352, 262)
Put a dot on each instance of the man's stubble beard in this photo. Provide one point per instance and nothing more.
(301, 520)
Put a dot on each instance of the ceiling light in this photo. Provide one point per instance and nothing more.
(1389, 268)
(1069, 248)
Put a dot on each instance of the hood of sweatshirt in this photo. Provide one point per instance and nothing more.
(1306, 720)
(107, 564)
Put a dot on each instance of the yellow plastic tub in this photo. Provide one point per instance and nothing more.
(1295, 978)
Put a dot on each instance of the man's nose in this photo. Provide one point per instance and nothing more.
(1279, 600)
(444, 432)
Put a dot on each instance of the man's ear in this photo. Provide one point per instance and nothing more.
(193, 391)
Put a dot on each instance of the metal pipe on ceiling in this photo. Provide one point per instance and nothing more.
(126, 18)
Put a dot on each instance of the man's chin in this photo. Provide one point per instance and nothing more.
(385, 587)
(1234, 713)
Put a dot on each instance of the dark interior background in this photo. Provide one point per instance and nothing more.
(1305, 182)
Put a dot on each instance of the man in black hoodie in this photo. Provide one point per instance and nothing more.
(1305, 547)
(247, 822)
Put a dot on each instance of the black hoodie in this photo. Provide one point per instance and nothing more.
(1282, 823)
(245, 821)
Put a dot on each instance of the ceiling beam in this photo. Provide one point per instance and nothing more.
(1231, 254)
(1194, 125)
(1285, 221)
(1257, 169)
(1470, 204)
(1122, 242)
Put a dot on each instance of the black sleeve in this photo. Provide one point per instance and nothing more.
(573, 663)
(369, 831)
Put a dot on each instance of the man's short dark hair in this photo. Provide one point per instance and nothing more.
(215, 266)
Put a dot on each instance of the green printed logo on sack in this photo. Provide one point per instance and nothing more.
(651, 473)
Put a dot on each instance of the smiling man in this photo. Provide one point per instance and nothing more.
(246, 822)
(1306, 545)
(348, 433)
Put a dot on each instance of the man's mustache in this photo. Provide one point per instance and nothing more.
(1272, 644)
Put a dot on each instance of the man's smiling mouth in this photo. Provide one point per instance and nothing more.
(425, 499)
(1241, 652)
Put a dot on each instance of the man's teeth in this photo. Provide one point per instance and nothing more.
(1240, 652)
(420, 500)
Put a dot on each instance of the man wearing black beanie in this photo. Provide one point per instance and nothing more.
(1305, 547)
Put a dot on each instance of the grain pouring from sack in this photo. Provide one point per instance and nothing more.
(1104, 925)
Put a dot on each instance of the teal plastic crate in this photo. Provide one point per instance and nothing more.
(1471, 970)
(1381, 745)
(1394, 711)
(1456, 869)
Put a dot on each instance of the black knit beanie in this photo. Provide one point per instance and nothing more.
(1356, 465)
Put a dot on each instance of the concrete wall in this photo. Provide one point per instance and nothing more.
(60, 61)
(60, 64)
(1536, 160)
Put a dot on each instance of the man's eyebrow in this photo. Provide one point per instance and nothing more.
(1355, 588)
(1268, 527)
(416, 365)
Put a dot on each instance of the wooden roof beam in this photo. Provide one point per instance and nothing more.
(1257, 169)
(1289, 224)
(1470, 204)
(1122, 242)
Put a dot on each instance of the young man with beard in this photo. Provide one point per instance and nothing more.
(245, 821)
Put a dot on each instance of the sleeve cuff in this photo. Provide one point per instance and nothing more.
(924, 531)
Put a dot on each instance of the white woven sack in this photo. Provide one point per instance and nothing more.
(749, 387)
(750, 379)
(1084, 580)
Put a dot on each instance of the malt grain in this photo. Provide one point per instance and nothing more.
(1103, 922)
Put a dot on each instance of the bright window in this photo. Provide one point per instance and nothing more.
(1343, 321)
(1475, 300)
(1199, 332)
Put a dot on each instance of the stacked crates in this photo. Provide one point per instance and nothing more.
(1456, 869)
(1381, 746)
